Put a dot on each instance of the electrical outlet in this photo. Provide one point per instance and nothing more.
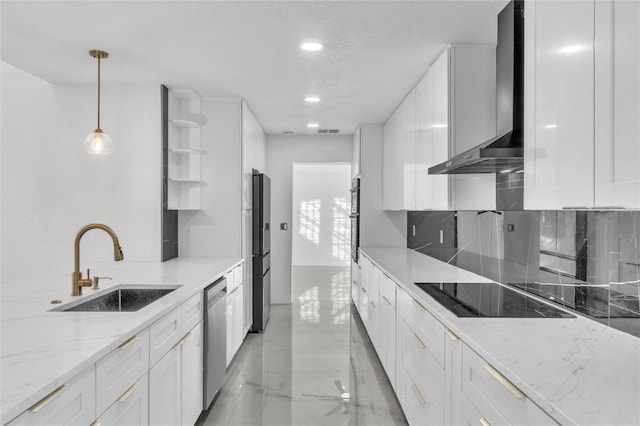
(510, 227)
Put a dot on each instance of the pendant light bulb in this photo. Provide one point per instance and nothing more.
(98, 142)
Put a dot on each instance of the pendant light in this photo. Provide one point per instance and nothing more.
(98, 142)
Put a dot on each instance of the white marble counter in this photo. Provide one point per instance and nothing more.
(42, 349)
(577, 370)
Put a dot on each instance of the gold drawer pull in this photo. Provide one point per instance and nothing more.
(451, 334)
(234, 290)
(364, 289)
(126, 344)
(483, 422)
(128, 393)
(96, 423)
(417, 393)
(418, 304)
(47, 399)
(372, 304)
(418, 341)
(181, 341)
(517, 393)
(386, 300)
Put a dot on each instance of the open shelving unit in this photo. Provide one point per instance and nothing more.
(185, 153)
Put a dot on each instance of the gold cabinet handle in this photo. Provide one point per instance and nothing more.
(418, 341)
(128, 393)
(372, 304)
(386, 300)
(417, 393)
(126, 344)
(96, 423)
(483, 422)
(47, 399)
(517, 393)
(234, 290)
(364, 289)
(418, 304)
(181, 341)
(451, 334)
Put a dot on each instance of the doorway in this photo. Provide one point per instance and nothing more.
(321, 233)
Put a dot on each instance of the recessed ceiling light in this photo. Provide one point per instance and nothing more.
(312, 125)
(572, 49)
(312, 99)
(550, 126)
(311, 46)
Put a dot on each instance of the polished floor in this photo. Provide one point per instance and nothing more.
(313, 365)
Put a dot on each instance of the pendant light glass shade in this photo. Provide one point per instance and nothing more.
(98, 143)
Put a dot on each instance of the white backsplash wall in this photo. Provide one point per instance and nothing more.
(282, 152)
(51, 186)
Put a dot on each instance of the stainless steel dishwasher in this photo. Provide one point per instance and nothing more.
(215, 339)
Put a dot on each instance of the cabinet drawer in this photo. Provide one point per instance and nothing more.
(416, 403)
(417, 358)
(429, 329)
(499, 401)
(119, 370)
(163, 334)
(192, 312)
(131, 407)
(73, 403)
(387, 291)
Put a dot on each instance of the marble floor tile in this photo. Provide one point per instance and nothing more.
(313, 365)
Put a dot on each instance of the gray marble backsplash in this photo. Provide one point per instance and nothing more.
(588, 261)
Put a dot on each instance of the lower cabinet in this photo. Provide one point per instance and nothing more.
(192, 376)
(235, 312)
(73, 403)
(131, 408)
(437, 378)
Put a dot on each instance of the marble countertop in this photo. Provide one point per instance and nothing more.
(577, 370)
(42, 349)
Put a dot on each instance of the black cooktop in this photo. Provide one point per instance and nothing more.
(489, 300)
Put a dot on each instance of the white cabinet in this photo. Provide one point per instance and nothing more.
(73, 403)
(355, 160)
(131, 408)
(398, 150)
(235, 312)
(164, 390)
(164, 334)
(192, 376)
(617, 103)
(388, 327)
(451, 110)
(355, 282)
(184, 166)
(582, 81)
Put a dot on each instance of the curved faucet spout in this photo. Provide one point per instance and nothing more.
(78, 282)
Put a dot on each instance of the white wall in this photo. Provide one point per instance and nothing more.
(51, 186)
(282, 153)
(321, 228)
(214, 230)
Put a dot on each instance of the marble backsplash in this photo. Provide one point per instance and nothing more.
(588, 261)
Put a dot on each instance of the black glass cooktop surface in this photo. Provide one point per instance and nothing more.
(489, 300)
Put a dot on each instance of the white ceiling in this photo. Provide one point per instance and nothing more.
(375, 50)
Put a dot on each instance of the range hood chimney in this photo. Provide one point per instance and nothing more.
(504, 152)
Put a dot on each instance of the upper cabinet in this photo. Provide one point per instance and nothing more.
(450, 110)
(582, 104)
(253, 152)
(355, 160)
(184, 165)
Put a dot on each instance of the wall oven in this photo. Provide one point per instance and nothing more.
(355, 218)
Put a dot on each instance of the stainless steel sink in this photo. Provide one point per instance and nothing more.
(123, 298)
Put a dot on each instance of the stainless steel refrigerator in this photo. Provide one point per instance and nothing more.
(261, 251)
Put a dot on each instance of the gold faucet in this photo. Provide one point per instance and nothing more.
(78, 281)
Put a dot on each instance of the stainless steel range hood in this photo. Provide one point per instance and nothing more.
(504, 152)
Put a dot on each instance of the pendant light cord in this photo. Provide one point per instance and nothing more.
(98, 91)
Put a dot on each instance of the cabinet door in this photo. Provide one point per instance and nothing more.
(559, 104)
(409, 151)
(231, 307)
(164, 390)
(389, 335)
(191, 367)
(355, 161)
(617, 101)
(131, 408)
(74, 403)
(393, 161)
(238, 321)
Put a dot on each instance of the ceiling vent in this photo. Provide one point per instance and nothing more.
(328, 131)
(287, 132)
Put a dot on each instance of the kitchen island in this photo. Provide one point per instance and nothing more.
(43, 349)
